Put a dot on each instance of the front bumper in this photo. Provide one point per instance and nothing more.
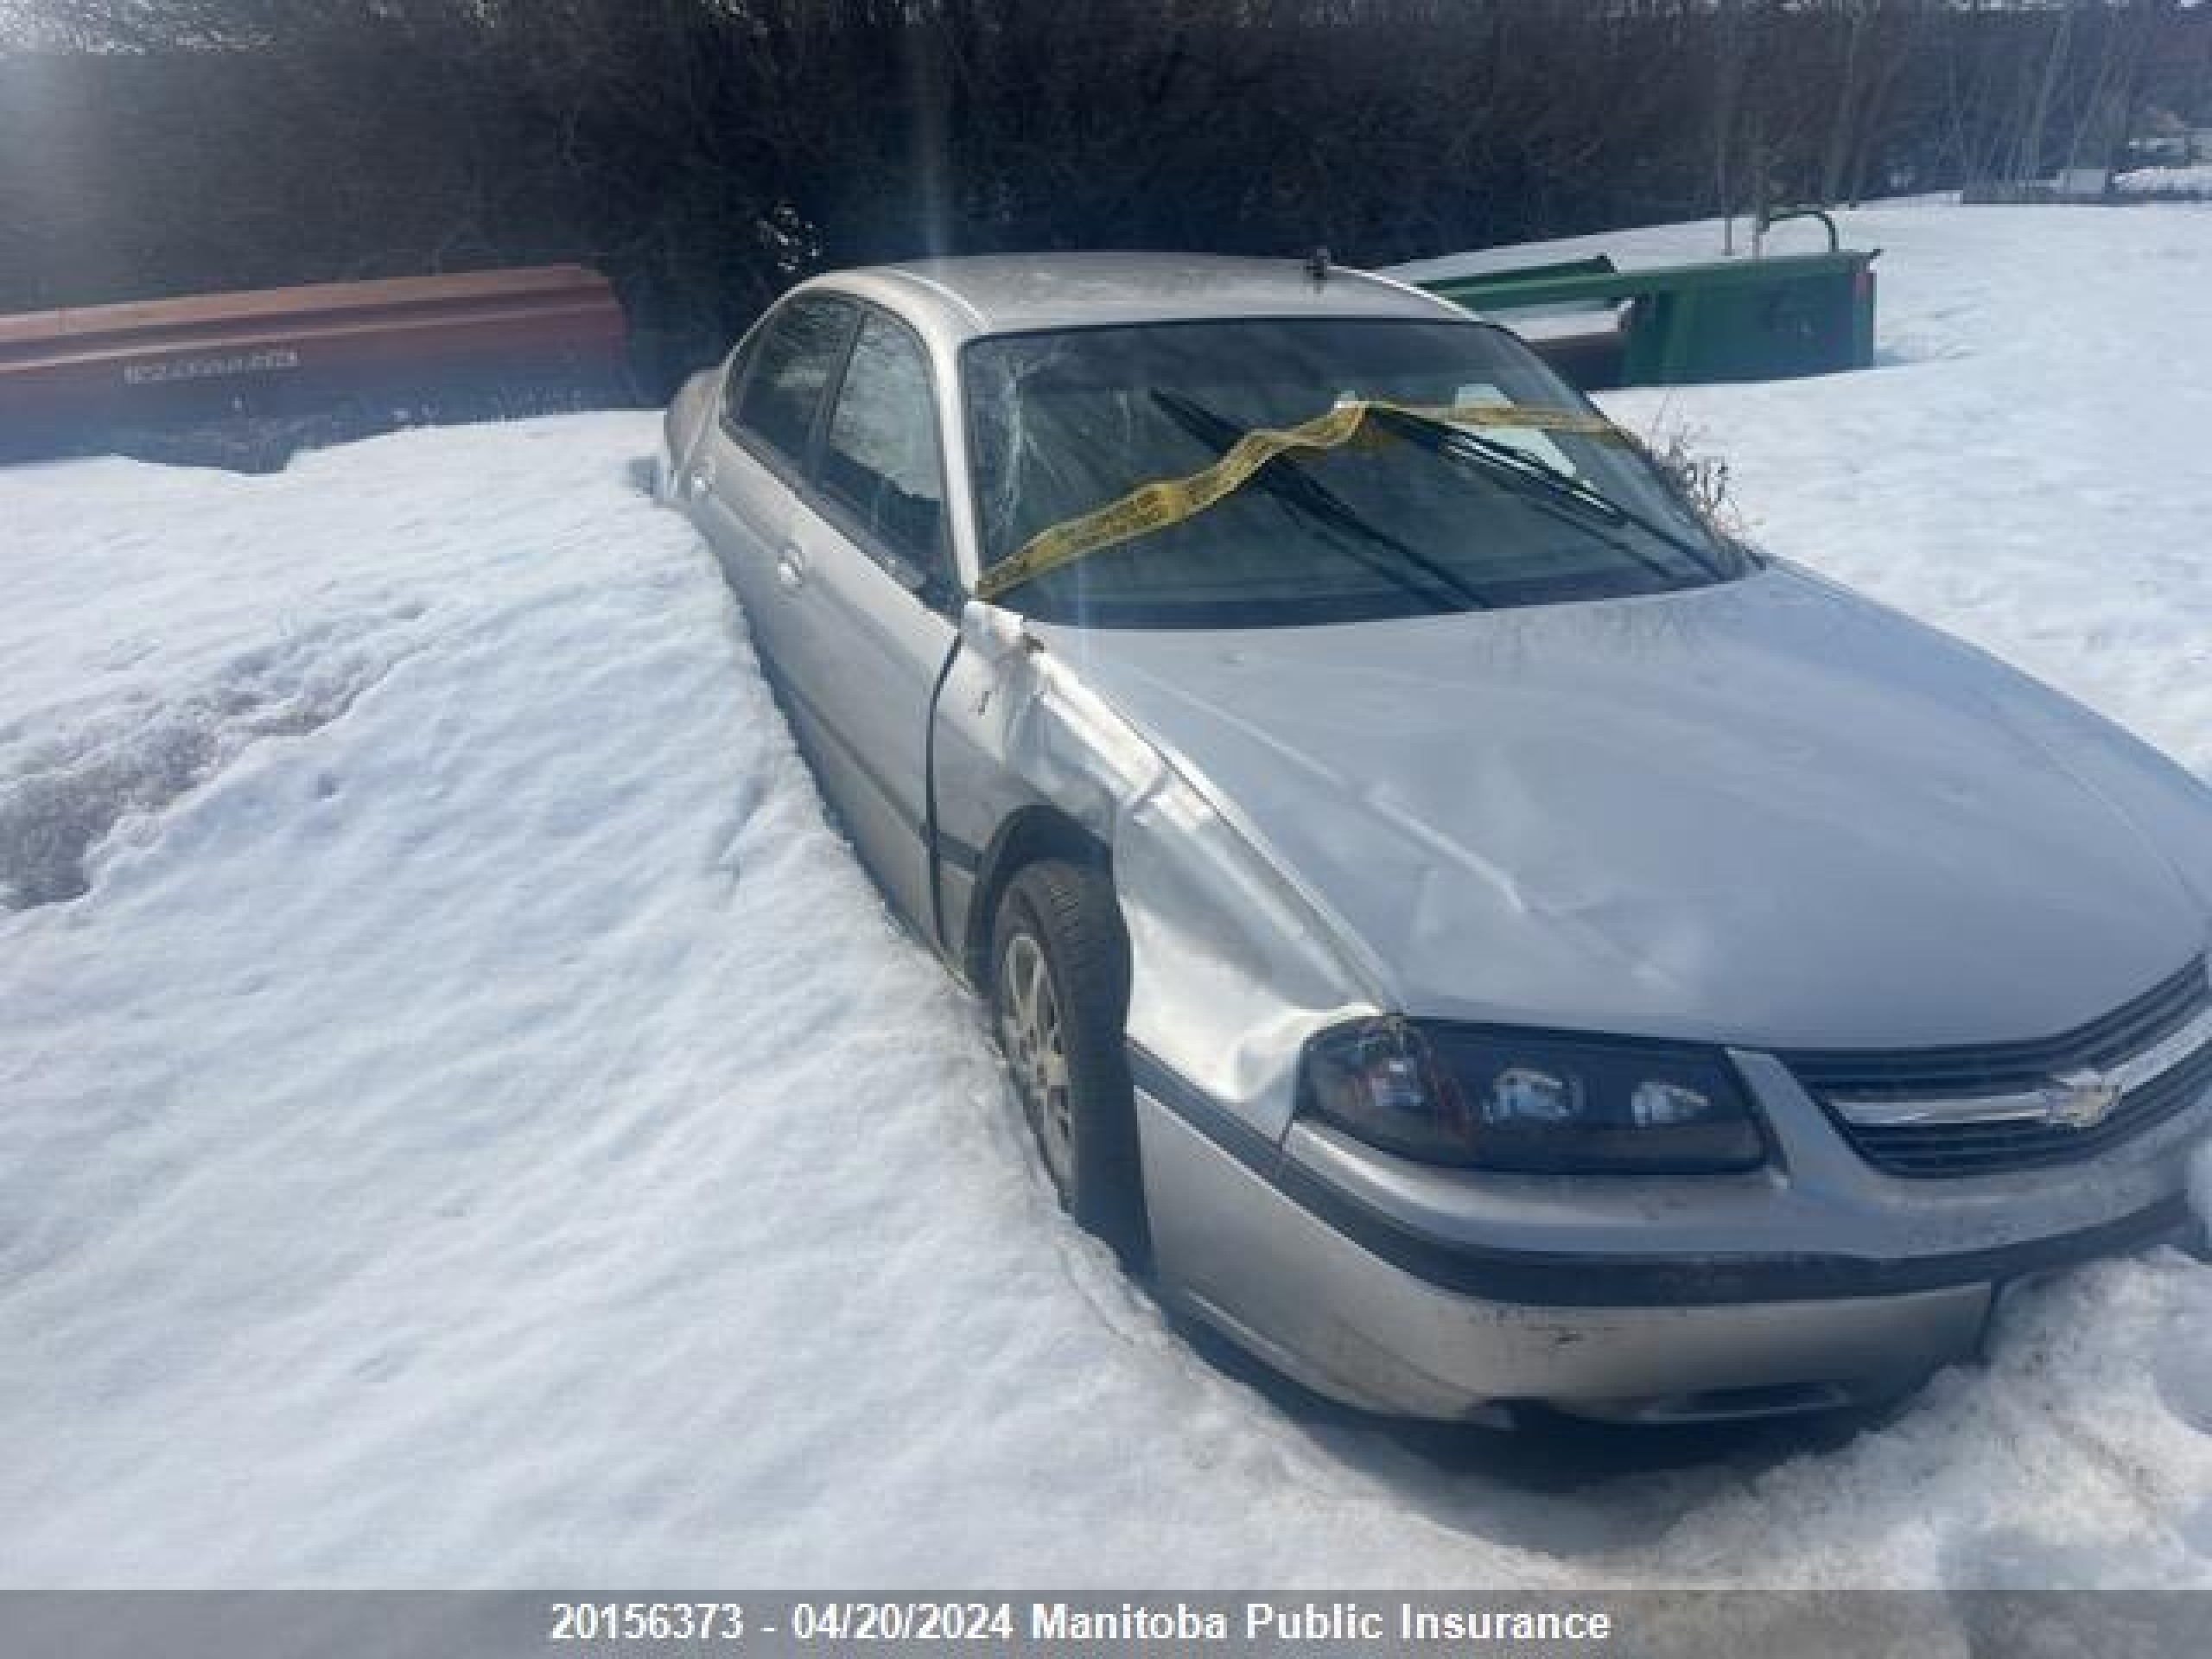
(1420, 1293)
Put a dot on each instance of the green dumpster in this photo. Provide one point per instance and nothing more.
(1730, 320)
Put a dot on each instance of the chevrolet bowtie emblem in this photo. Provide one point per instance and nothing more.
(2080, 1100)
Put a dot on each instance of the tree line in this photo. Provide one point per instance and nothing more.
(707, 153)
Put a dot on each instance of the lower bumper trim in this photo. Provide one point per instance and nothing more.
(1685, 1281)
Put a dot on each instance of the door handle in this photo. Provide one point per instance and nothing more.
(790, 567)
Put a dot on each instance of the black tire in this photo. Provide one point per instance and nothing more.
(1067, 915)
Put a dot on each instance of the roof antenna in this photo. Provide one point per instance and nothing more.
(1317, 266)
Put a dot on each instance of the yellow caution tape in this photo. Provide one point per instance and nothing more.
(1154, 507)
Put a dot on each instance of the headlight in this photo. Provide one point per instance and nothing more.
(1489, 1097)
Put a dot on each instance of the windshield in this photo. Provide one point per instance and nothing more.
(1395, 524)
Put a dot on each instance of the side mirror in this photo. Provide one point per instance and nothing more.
(993, 634)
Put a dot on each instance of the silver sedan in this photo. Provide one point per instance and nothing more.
(1472, 931)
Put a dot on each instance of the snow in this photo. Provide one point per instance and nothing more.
(467, 1120)
(2166, 181)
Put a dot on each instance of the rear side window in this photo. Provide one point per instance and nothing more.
(880, 460)
(783, 387)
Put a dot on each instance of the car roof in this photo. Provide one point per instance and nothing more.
(992, 294)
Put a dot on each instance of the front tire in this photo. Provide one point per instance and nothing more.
(1059, 996)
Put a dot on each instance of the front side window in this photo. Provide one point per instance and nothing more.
(782, 388)
(1405, 522)
(879, 462)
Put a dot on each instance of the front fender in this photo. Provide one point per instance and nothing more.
(1232, 967)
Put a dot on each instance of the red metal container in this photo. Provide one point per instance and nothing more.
(387, 350)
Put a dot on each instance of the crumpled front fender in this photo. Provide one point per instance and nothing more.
(1232, 965)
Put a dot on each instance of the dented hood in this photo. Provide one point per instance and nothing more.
(1768, 812)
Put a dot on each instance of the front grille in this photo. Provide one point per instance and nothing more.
(1963, 1073)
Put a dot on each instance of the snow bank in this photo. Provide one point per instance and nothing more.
(467, 1120)
(2166, 181)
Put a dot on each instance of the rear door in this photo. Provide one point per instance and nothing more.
(744, 477)
(864, 603)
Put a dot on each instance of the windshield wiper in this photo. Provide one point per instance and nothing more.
(1299, 489)
(1516, 464)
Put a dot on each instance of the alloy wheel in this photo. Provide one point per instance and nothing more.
(1032, 1033)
